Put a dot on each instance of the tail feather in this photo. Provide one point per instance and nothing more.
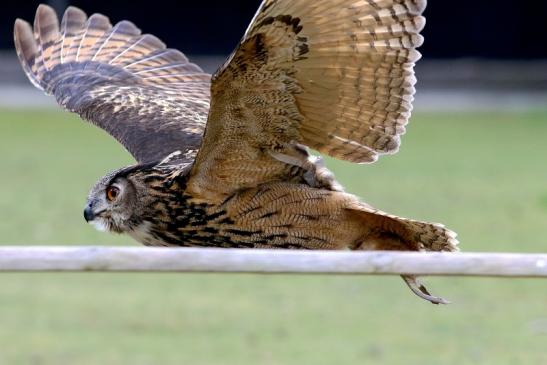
(431, 236)
(415, 235)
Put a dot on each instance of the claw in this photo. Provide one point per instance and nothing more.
(420, 290)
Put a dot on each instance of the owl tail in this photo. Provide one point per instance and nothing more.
(390, 232)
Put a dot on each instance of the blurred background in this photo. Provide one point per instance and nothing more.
(473, 158)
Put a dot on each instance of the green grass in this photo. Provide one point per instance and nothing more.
(483, 174)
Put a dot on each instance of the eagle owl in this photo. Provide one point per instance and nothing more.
(223, 160)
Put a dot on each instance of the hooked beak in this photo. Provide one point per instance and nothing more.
(88, 213)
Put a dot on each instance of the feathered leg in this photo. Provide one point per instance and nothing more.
(390, 232)
(296, 216)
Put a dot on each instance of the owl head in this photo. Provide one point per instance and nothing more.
(131, 200)
(116, 201)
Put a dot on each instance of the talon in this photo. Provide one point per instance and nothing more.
(420, 290)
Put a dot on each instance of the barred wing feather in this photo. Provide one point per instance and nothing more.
(335, 75)
(151, 99)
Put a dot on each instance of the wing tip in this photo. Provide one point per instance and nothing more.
(418, 6)
(19, 24)
(44, 14)
(75, 10)
(74, 13)
(24, 38)
(26, 48)
(44, 9)
(420, 22)
(46, 25)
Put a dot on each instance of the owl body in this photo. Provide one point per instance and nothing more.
(277, 214)
(164, 213)
(222, 160)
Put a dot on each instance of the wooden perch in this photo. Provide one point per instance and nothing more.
(146, 259)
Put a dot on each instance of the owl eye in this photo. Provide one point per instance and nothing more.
(112, 193)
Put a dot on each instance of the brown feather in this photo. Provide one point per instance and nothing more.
(336, 76)
(124, 82)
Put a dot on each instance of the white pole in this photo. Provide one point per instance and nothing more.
(146, 259)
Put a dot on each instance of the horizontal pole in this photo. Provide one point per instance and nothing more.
(148, 259)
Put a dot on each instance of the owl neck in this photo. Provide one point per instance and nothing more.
(167, 215)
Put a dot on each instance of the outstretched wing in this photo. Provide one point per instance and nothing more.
(151, 99)
(335, 75)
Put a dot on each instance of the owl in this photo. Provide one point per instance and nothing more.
(223, 159)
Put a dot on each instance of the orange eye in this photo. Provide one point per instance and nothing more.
(112, 193)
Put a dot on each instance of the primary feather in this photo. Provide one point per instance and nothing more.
(124, 82)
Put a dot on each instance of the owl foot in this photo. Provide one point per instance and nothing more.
(420, 290)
